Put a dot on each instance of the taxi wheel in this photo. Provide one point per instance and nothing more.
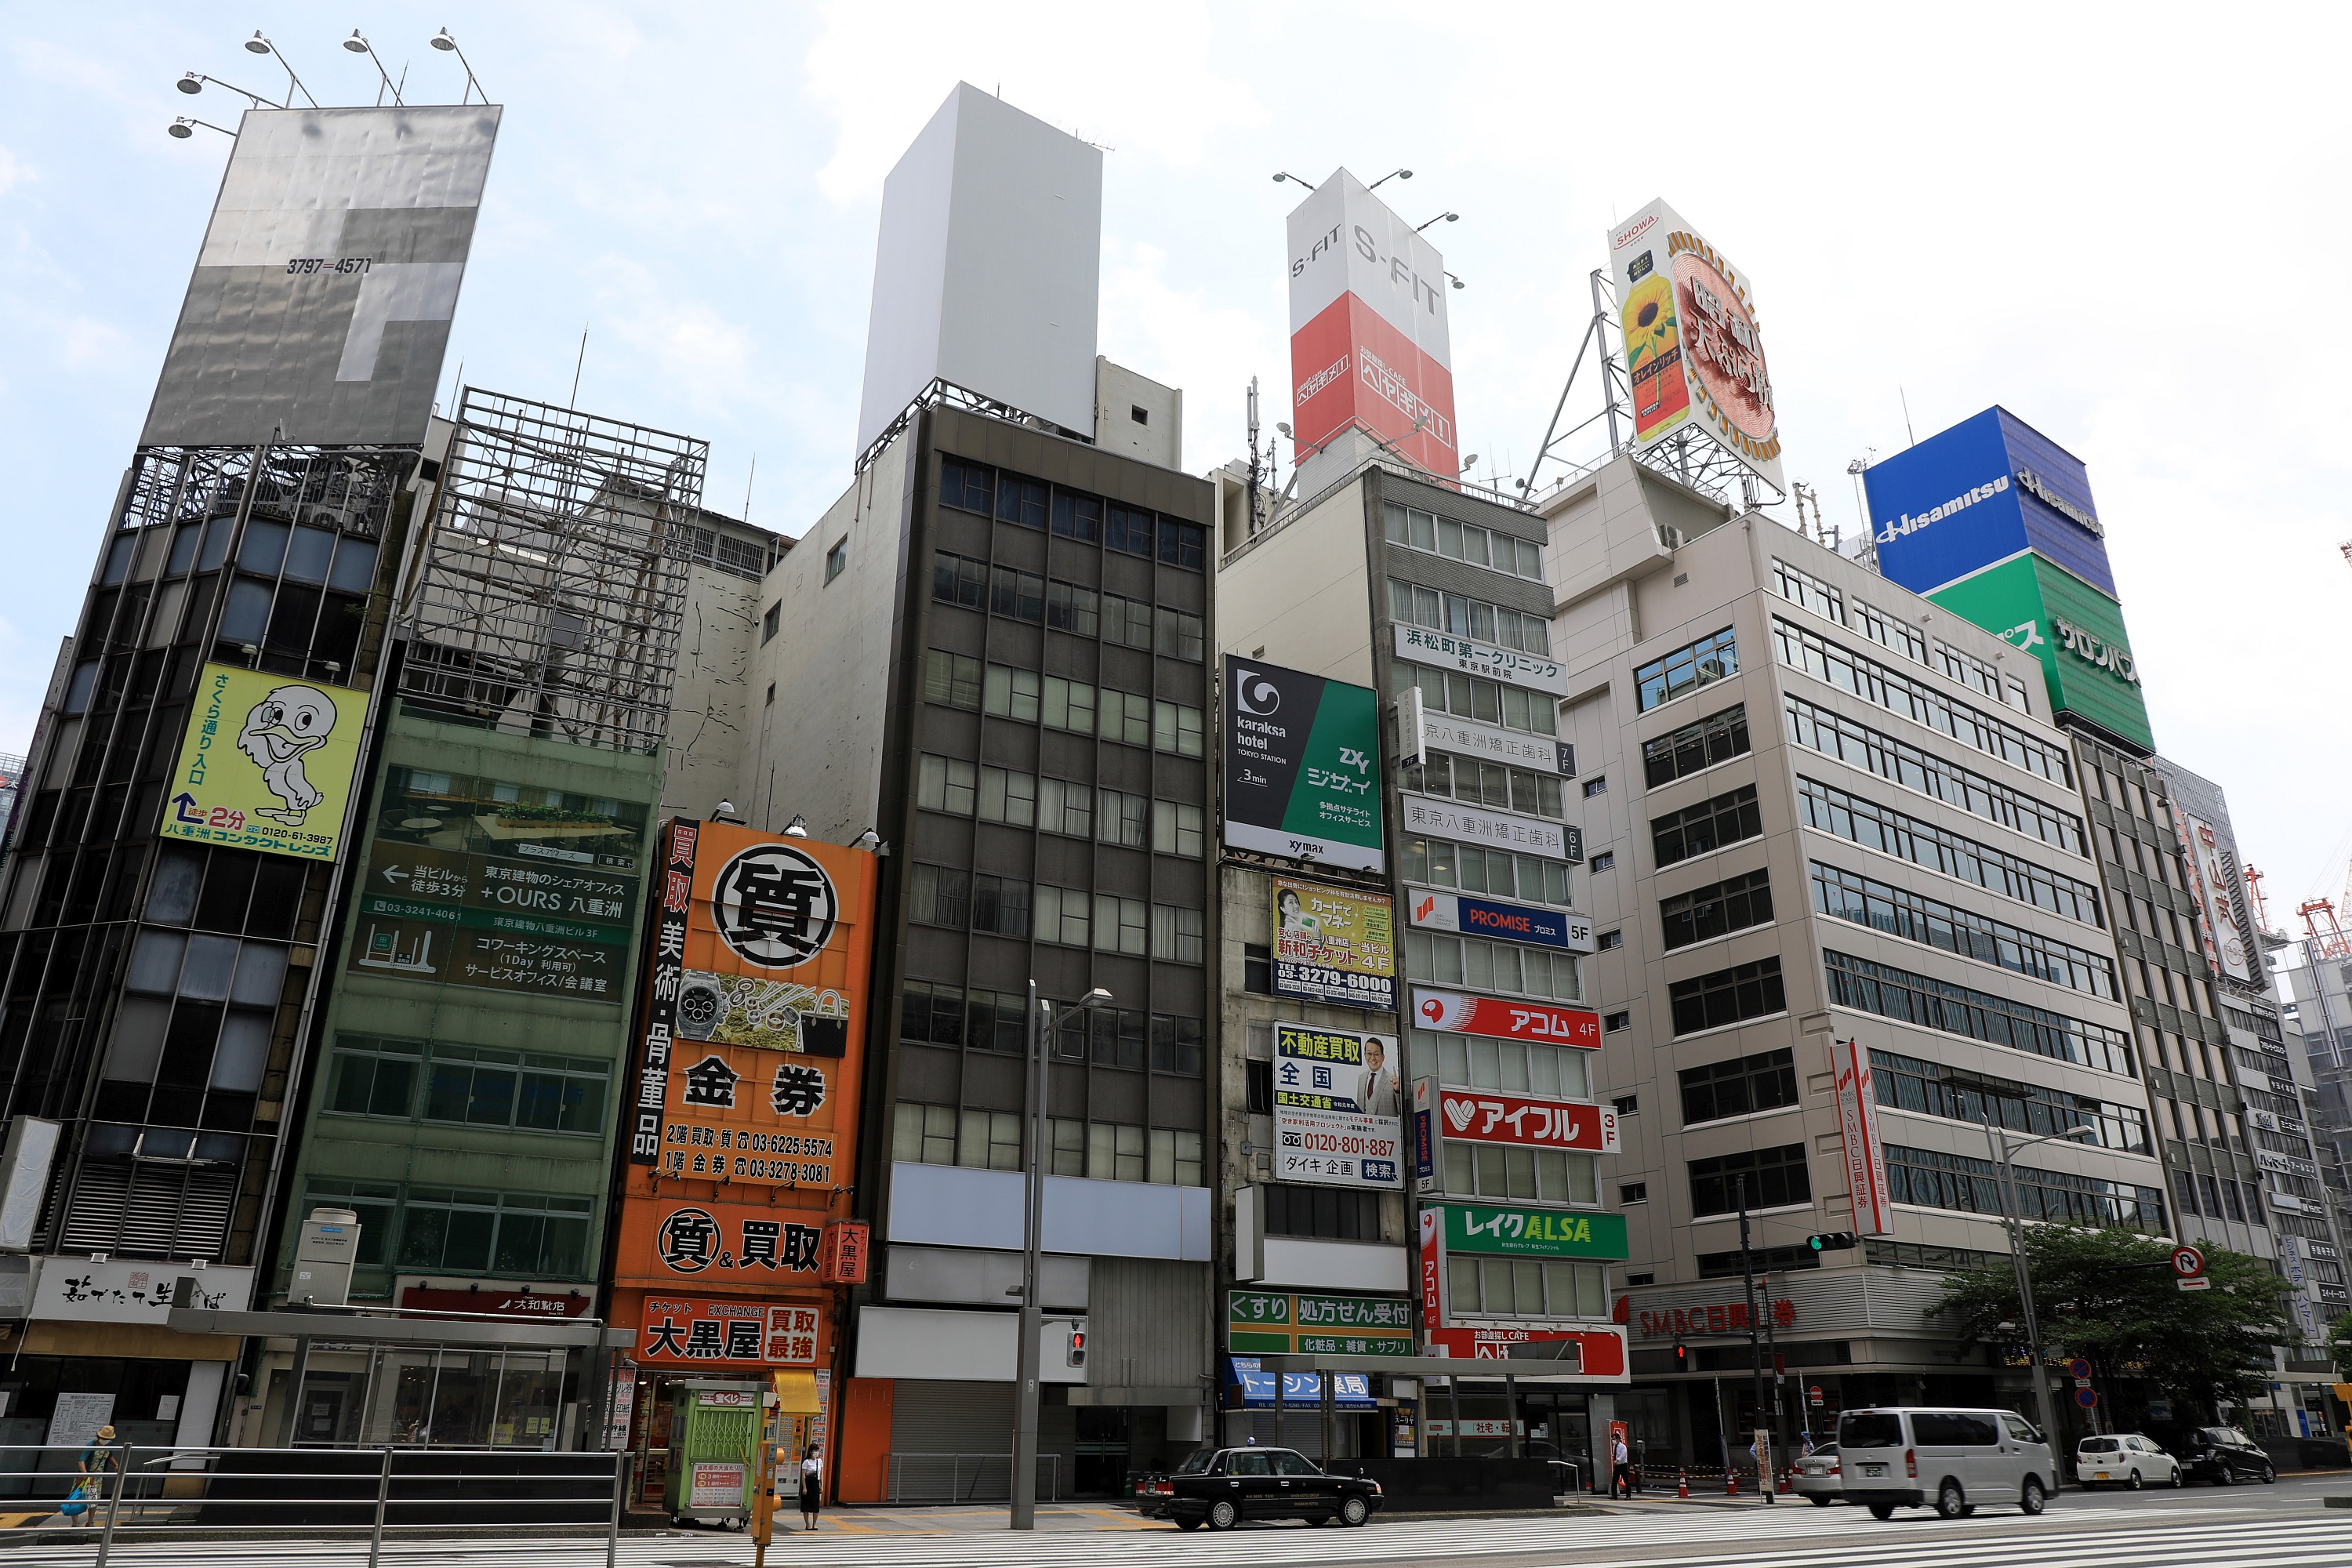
(1188, 1524)
(1224, 1515)
(1353, 1512)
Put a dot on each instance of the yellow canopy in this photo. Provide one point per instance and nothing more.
(797, 1394)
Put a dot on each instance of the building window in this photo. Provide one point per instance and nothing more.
(1519, 1067)
(1923, 843)
(1740, 1086)
(771, 694)
(1011, 693)
(1524, 1288)
(1727, 996)
(1605, 861)
(1122, 925)
(1439, 863)
(1529, 1175)
(1805, 589)
(951, 678)
(1898, 993)
(1593, 787)
(1634, 1192)
(1071, 608)
(1176, 828)
(1717, 738)
(479, 1087)
(1175, 1157)
(1008, 796)
(1122, 817)
(371, 1077)
(1127, 530)
(940, 896)
(1175, 933)
(1176, 1047)
(1800, 648)
(1257, 968)
(1727, 1265)
(1890, 632)
(1175, 727)
(1108, 1037)
(1077, 516)
(1627, 1104)
(1908, 1083)
(1685, 670)
(1257, 1079)
(837, 560)
(1020, 500)
(1716, 910)
(944, 784)
(1466, 617)
(1063, 916)
(1179, 544)
(1474, 782)
(1065, 807)
(923, 1134)
(1474, 697)
(1330, 1213)
(1845, 895)
(1114, 1153)
(1417, 529)
(1774, 1178)
(988, 1140)
(967, 486)
(1611, 939)
(1731, 817)
(1926, 1178)
(1612, 1022)
(1492, 966)
(446, 1230)
(771, 623)
(1017, 594)
(1176, 633)
(959, 580)
(1000, 905)
(1834, 735)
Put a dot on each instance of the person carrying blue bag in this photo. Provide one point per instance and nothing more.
(93, 1466)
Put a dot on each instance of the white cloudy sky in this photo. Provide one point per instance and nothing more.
(2119, 222)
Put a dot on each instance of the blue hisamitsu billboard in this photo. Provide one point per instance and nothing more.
(1986, 489)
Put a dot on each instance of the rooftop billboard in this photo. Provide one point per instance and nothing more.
(320, 304)
(1693, 349)
(1368, 334)
(1302, 766)
(1983, 490)
(2074, 631)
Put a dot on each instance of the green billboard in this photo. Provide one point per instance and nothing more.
(1302, 766)
(1534, 1233)
(2075, 631)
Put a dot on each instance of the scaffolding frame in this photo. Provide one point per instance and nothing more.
(350, 489)
(545, 599)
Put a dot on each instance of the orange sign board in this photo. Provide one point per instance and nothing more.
(708, 1243)
(696, 1330)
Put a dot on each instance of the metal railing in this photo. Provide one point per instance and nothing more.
(966, 1478)
(146, 1493)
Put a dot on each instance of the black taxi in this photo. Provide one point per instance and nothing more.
(1223, 1487)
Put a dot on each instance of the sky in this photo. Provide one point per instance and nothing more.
(2107, 219)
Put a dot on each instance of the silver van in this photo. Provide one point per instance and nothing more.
(1949, 1459)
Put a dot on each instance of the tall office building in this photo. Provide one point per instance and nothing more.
(190, 804)
(1848, 915)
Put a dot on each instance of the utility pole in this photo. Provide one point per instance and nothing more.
(1754, 1348)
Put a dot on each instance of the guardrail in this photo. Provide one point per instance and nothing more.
(194, 1494)
(966, 1478)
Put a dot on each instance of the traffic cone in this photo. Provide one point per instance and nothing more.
(1784, 1483)
(1731, 1481)
(1682, 1488)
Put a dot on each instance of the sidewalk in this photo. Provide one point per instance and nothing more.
(866, 1519)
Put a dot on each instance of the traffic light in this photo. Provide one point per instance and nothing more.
(1832, 1241)
(1078, 1347)
(1681, 1358)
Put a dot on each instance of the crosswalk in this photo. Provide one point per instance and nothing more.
(2068, 1538)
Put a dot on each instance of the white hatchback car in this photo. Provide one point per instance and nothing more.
(2129, 1460)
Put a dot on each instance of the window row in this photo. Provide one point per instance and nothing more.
(1524, 1288)
(1065, 606)
(1476, 697)
(1416, 605)
(938, 1014)
(1890, 993)
(1441, 863)
(1010, 795)
(1032, 503)
(1520, 1176)
(1929, 1179)
(1326, 1213)
(2198, 1192)
(1067, 917)
(454, 1230)
(1764, 1178)
(1717, 738)
(1476, 783)
(1908, 1083)
(1802, 589)
(1801, 648)
(1923, 843)
(1731, 817)
(1685, 670)
(1849, 896)
(1517, 1066)
(990, 1141)
(1417, 529)
(1740, 1086)
(1833, 734)
(472, 1086)
(1029, 697)
(1501, 967)
(1736, 903)
(1729, 995)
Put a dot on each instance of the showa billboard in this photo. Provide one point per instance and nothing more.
(756, 993)
(1693, 351)
(1302, 766)
(1369, 336)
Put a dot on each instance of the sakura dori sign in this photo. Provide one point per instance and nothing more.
(1480, 1118)
(1714, 1318)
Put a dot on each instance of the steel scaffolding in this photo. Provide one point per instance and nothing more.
(544, 598)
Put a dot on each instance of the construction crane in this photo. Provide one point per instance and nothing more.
(2262, 904)
(2328, 939)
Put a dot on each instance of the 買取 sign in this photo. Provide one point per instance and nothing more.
(1534, 1233)
(1302, 773)
(1337, 1108)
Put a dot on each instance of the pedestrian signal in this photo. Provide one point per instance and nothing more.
(1078, 1347)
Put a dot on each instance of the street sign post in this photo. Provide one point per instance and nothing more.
(2188, 1268)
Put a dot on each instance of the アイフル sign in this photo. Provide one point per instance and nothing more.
(1482, 1116)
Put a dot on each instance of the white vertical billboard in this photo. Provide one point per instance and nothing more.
(1694, 355)
(1370, 343)
(1865, 1157)
(2217, 917)
(1338, 1108)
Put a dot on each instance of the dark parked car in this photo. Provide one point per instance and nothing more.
(1223, 1487)
(2221, 1455)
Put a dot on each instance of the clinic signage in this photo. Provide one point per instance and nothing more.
(1537, 672)
(1442, 818)
(1421, 729)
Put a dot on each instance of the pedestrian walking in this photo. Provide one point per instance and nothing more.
(812, 1485)
(1622, 1470)
(93, 1466)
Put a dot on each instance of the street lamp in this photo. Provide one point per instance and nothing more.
(1391, 174)
(449, 46)
(357, 43)
(1281, 176)
(2014, 1222)
(180, 123)
(193, 82)
(259, 45)
(1033, 1210)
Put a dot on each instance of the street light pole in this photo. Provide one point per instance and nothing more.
(2013, 1221)
(1037, 1030)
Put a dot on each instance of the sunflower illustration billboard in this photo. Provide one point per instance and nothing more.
(1694, 356)
(266, 763)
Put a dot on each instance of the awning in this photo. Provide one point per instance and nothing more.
(797, 1394)
(359, 1329)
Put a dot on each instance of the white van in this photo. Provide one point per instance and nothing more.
(1949, 1459)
